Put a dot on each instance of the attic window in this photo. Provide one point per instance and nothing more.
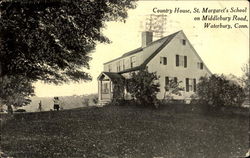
(200, 65)
(184, 42)
(163, 60)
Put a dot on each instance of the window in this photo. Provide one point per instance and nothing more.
(132, 59)
(163, 60)
(191, 85)
(185, 61)
(187, 85)
(109, 67)
(105, 88)
(200, 65)
(118, 65)
(194, 80)
(166, 83)
(123, 64)
(181, 61)
(184, 42)
(175, 80)
(177, 60)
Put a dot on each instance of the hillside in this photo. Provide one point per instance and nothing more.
(67, 102)
(126, 132)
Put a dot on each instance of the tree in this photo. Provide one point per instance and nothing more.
(52, 40)
(245, 77)
(15, 90)
(219, 91)
(143, 87)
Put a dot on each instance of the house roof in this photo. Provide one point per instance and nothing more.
(137, 50)
(112, 75)
(165, 41)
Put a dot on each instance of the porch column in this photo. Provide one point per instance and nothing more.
(110, 89)
(100, 90)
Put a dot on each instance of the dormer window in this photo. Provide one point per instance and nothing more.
(123, 64)
(118, 64)
(132, 61)
(109, 67)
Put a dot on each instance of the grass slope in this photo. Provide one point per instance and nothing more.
(129, 132)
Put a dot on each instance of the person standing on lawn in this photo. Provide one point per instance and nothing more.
(40, 106)
(56, 103)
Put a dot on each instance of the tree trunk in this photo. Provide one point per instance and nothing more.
(10, 109)
(1, 71)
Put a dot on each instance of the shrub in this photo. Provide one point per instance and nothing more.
(218, 91)
(86, 101)
(95, 100)
(171, 89)
(143, 87)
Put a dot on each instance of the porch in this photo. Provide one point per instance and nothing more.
(107, 87)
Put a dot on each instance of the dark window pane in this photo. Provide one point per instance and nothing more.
(187, 84)
(185, 61)
(177, 60)
(164, 60)
(184, 42)
(175, 79)
(194, 85)
(166, 83)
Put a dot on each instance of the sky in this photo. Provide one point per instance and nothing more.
(222, 50)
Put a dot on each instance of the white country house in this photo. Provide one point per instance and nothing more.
(171, 57)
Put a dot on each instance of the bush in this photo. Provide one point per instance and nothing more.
(20, 110)
(218, 91)
(143, 87)
(86, 101)
(95, 100)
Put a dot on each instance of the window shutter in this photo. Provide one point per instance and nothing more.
(201, 66)
(165, 60)
(187, 84)
(185, 61)
(177, 60)
(194, 85)
(175, 79)
(166, 83)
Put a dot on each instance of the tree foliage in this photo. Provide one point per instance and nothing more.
(15, 90)
(219, 91)
(52, 40)
(118, 85)
(143, 87)
(245, 77)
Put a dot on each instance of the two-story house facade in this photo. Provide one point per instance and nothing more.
(171, 57)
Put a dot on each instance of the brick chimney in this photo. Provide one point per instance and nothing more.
(147, 38)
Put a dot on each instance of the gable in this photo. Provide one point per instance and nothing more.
(176, 47)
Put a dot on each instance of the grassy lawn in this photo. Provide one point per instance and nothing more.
(131, 132)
